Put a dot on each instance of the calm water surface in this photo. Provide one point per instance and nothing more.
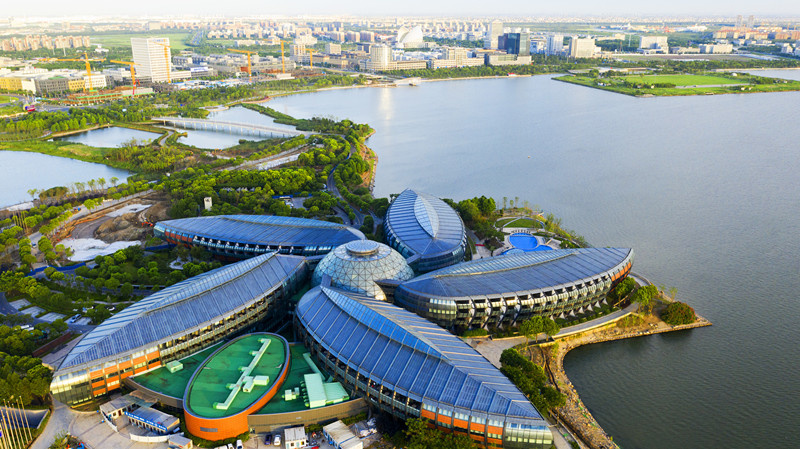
(21, 171)
(705, 189)
(110, 137)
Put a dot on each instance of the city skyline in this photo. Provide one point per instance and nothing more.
(448, 8)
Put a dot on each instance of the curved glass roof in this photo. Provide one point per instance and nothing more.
(519, 273)
(266, 230)
(409, 354)
(179, 308)
(425, 224)
(355, 266)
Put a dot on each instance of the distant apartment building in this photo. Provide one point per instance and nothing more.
(506, 59)
(555, 45)
(582, 47)
(35, 42)
(493, 31)
(653, 44)
(153, 58)
(333, 49)
(454, 57)
(716, 48)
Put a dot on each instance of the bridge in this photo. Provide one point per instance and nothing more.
(229, 127)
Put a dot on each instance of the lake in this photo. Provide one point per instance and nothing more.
(705, 189)
(110, 137)
(21, 171)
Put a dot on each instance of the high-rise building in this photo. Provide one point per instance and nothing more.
(152, 57)
(581, 47)
(333, 49)
(494, 30)
(518, 44)
(555, 45)
(751, 21)
(739, 21)
(380, 57)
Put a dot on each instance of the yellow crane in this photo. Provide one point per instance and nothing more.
(283, 60)
(166, 57)
(88, 67)
(310, 58)
(249, 65)
(133, 72)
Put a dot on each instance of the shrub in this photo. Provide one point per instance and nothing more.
(678, 313)
(475, 333)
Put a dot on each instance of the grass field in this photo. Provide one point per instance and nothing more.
(705, 84)
(681, 80)
(176, 40)
(517, 222)
(7, 99)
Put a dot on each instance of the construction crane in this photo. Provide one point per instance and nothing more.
(283, 60)
(249, 65)
(310, 58)
(133, 72)
(166, 57)
(88, 67)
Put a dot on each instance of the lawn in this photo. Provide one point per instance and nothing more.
(682, 80)
(176, 40)
(517, 222)
(7, 99)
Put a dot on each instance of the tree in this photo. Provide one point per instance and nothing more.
(644, 296)
(114, 180)
(530, 329)
(32, 193)
(677, 313)
(420, 436)
(551, 328)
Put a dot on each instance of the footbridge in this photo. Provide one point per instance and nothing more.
(244, 129)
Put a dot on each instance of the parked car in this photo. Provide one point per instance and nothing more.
(268, 439)
(277, 440)
(230, 446)
(239, 444)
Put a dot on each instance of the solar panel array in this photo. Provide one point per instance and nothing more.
(523, 273)
(265, 230)
(185, 305)
(409, 354)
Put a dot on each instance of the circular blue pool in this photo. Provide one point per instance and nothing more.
(525, 242)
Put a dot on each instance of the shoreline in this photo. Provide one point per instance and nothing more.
(574, 415)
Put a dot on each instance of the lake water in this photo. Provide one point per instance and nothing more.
(21, 171)
(111, 137)
(217, 140)
(705, 189)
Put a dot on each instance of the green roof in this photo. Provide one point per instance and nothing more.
(174, 384)
(212, 381)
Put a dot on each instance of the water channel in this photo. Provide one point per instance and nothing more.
(705, 189)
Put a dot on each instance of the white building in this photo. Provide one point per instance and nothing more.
(555, 45)
(582, 47)
(98, 81)
(493, 32)
(152, 57)
(380, 57)
(716, 48)
(654, 44)
(295, 437)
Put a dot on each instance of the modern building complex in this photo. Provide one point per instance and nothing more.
(494, 31)
(409, 367)
(425, 230)
(369, 334)
(582, 47)
(152, 57)
(507, 289)
(243, 236)
(175, 322)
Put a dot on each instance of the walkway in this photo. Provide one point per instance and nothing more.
(244, 129)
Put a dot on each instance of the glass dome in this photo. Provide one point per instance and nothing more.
(356, 265)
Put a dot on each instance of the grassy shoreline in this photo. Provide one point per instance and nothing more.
(655, 91)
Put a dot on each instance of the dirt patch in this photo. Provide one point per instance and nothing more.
(124, 228)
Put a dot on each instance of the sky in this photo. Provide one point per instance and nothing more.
(450, 8)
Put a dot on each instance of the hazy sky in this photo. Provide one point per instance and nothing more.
(402, 7)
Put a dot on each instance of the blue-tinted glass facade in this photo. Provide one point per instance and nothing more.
(425, 230)
(510, 288)
(410, 367)
(243, 236)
